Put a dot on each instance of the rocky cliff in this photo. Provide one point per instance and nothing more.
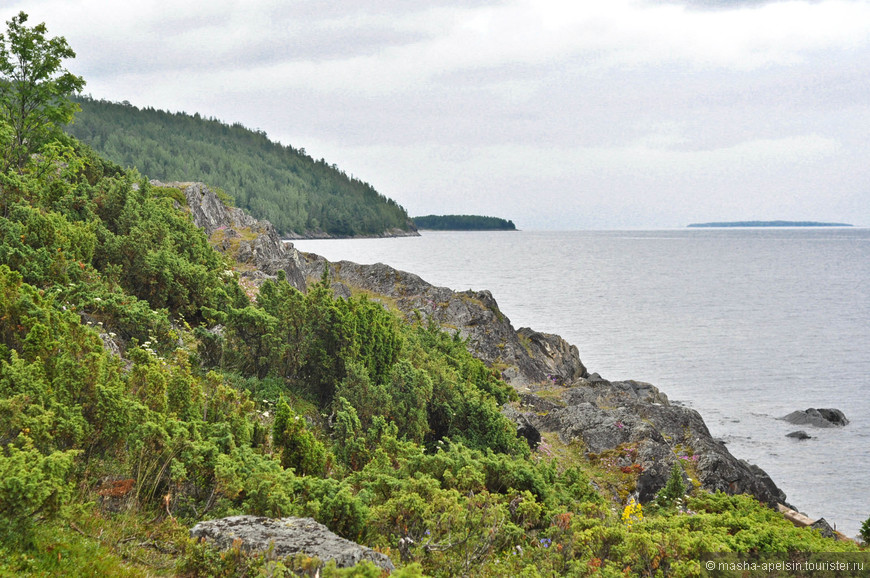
(578, 407)
(652, 433)
(254, 245)
(524, 357)
(600, 414)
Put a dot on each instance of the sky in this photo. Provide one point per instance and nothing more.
(556, 114)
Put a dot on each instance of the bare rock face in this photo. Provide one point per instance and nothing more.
(605, 415)
(289, 536)
(523, 357)
(560, 358)
(251, 242)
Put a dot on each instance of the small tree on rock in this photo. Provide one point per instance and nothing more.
(35, 89)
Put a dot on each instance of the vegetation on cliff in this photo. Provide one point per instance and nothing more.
(283, 184)
(142, 389)
(463, 223)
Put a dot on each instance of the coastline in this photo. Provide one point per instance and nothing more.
(741, 362)
(602, 415)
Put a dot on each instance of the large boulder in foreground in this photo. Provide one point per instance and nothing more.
(290, 536)
(823, 417)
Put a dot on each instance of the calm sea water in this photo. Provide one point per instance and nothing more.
(744, 325)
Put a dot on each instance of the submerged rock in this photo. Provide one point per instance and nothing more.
(289, 536)
(800, 435)
(824, 417)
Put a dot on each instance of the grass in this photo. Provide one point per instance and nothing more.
(96, 544)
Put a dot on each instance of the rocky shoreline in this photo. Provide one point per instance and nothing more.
(558, 395)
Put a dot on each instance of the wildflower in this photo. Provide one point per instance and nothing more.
(632, 513)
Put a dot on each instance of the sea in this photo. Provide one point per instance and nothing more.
(744, 325)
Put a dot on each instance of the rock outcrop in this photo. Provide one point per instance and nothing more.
(606, 415)
(524, 357)
(818, 417)
(254, 244)
(287, 537)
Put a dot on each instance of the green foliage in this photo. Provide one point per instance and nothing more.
(299, 448)
(463, 223)
(865, 531)
(34, 89)
(157, 253)
(31, 484)
(280, 183)
(675, 488)
(129, 355)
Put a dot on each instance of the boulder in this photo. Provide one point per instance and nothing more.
(824, 527)
(800, 435)
(287, 536)
(526, 430)
(825, 417)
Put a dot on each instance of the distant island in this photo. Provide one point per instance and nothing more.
(463, 223)
(770, 224)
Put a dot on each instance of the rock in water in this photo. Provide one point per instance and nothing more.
(290, 536)
(825, 417)
(800, 434)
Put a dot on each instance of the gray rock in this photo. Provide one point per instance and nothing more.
(290, 536)
(559, 356)
(800, 435)
(605, 415)
(260, 247)
(524, 357)
(824, 527)
(526, 430)
(825, 417)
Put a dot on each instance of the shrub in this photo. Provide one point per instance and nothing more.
(674, 489)
(31, 484)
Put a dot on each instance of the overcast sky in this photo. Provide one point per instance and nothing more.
(558, 114)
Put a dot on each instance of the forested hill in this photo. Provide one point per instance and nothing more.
(463, 223)
(300, 196)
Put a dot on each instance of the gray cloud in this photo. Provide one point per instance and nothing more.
(560, 114)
